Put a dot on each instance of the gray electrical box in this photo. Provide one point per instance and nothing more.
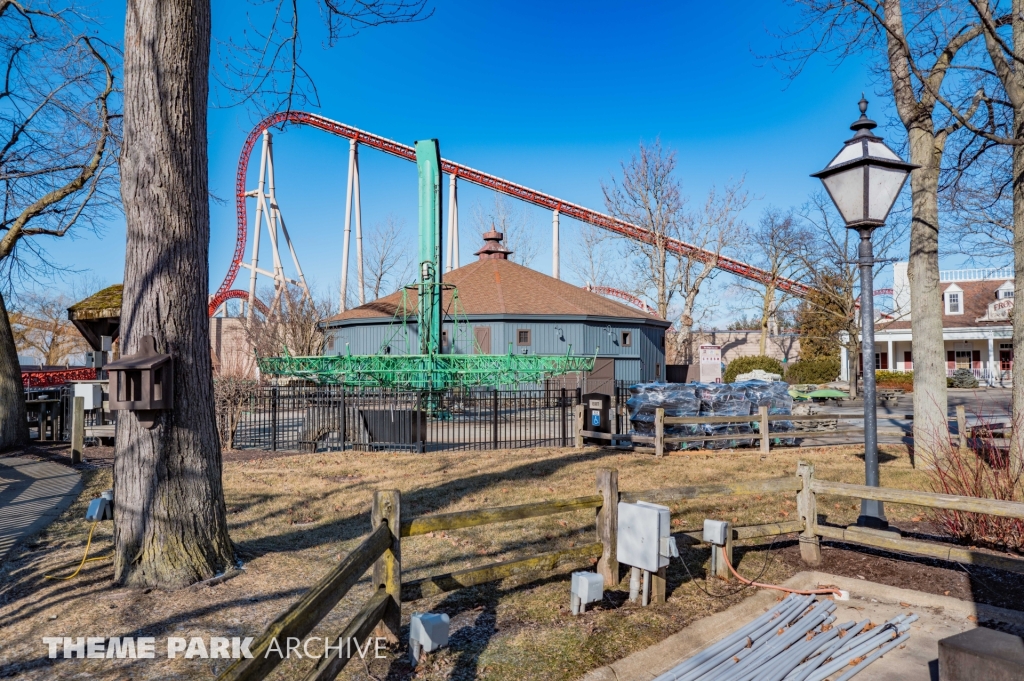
(92, 393)
(644, 537)
(716, 531)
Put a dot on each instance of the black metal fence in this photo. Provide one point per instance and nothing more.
(330, 418)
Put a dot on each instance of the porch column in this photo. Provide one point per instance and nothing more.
(844, 371)
(891, 364)
(992, 362)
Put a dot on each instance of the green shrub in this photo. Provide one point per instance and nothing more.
(742, 365)
(817, 370)
(962, 378)
(895, 379)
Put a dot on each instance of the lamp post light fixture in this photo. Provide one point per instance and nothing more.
(863, 181)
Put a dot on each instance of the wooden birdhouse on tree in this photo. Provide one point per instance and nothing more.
(143, 382)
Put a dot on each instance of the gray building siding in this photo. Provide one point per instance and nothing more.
(642, 360)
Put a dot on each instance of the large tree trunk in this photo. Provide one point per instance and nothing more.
(13, 420)
(1017, 369)
(170, 519)
(930, 425)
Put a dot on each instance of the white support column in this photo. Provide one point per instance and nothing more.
(452, 261)
(844, 364)
(892, 357)
(257, 225)
(359, 226)
(554, 246)
(348, 222)
(992, 363)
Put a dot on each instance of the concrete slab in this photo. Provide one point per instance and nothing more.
(33, 494)
(940, 617)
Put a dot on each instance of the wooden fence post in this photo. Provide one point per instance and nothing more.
(961, 426)
(608, 526)
(387, 570)
(77, 429)
(659, 581)
(659, 432)
(807, 509)
(718, 566)
(763, 413)
(579, 426)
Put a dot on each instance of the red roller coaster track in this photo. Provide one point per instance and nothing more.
(621, 295)
(476, 177)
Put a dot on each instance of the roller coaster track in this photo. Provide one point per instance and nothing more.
(482, 179)
(622, 295)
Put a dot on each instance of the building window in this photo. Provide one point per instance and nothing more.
(962, 359)
(626, 339)
(1005, 356)
(523, 337)
(953, 303)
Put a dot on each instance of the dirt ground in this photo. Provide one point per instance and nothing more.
(292, 517)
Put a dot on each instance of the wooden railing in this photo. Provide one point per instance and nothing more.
(382, 551)
(763, 420)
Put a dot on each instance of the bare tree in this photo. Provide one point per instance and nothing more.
(41, 327)
(170, 520)
(593, 260)
(917, 45)
(649, 196)
(56, 157)
(511, 219)
(776, 244)
(262, 68)
(388, 266)
(292, 328)
(1002, 25)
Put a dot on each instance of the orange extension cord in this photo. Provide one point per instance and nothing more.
(812, 592)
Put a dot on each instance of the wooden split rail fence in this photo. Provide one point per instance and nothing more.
(763, 420)
(381, 550)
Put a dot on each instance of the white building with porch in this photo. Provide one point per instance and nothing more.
(976, 325)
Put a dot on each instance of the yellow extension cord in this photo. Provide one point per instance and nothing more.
(85, 558)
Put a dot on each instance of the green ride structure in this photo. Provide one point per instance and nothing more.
(431, 369)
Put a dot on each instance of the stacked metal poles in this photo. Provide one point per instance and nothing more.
(797, 640)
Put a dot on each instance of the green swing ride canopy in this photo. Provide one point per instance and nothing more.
(431, 369)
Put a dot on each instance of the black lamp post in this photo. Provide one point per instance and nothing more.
(863, 180)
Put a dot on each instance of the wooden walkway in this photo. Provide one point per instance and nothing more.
(33, 494)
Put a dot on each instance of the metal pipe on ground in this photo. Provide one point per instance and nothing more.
(815, 659)
(726, 648)
(748, 667)
(871, 658)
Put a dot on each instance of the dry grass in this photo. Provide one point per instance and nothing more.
(292, 518)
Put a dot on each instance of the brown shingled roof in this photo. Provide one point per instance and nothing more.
(488, 287)
(976, 299)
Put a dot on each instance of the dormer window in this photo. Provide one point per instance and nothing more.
(1005, 291)
(954, 300)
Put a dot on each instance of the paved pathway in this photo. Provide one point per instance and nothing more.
(32, 494)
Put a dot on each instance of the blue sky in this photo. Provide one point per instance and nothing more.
(550, 95)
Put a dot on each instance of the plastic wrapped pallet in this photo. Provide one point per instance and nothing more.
(677, 399)
(711, 399)
(775, 396)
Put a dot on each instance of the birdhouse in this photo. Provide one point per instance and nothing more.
(143, 382)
